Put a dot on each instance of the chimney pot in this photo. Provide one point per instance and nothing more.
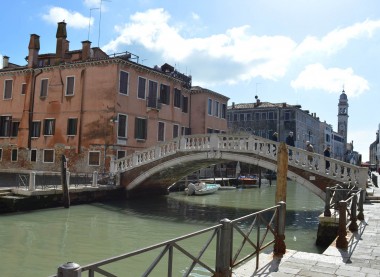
(86, 47)
(5, 61)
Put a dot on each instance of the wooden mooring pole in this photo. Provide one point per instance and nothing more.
(282, 171)
(65, 189)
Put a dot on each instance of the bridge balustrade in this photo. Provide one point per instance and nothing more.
(299, 158)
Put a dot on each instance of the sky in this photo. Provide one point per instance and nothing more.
(302, 52)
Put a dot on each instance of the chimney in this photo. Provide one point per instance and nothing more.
(61, 41)
(233, 105)
(34, 47)
(5, 61)
(86, 46)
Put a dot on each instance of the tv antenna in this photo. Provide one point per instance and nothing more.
(100, 16)
(89, 23)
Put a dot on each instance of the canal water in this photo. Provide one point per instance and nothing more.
(35, 243)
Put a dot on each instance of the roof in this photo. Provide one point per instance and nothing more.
(198, 89)
(259, 104)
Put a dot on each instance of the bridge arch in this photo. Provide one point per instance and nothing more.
(157, 167)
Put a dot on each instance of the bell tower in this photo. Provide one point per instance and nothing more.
(343, 116)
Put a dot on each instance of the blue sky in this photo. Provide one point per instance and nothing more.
(299, 52)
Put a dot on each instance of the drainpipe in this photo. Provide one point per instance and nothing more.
(31, 103)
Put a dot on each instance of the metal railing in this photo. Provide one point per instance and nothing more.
(347, 203)
(52, 180)
(252, 230)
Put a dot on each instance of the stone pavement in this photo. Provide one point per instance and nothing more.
(361, 259)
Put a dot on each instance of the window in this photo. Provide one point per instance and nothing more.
(33, 155)
(241, 117)
(177, 98)
(123, 82)
(72, 124)
(94, 158)
(14, 155)
(8, 87)
(122, 126)
(270, 115)
(235, 117)
(287, 115)
(140, 128)
(248, 117)
(36, 129)
(1, 154)
(209, 107)
(48, 156)
(216, 108)
(5, 126)
(23, 88)
(175, 130)
(185, 104)
(120, 154)
(264, 116)
(44, 88)
(210, 131)
(70, 83)
(224, 111)
(15, 126)
(152, 96)
(49, 127)
(165, 94)
(161, 131)
(141, 89)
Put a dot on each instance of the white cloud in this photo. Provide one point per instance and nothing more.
(73, 19)
(260, 56)
(237, 55)
(195, 16)
(316, 76)
(337, 39)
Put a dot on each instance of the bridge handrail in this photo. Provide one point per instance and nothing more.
(300, 158)
(349, 202)
(223, 233)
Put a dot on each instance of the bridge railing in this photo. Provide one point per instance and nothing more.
(250, 233)
(308, 161)
(348, 203)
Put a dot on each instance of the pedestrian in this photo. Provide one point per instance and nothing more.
(310, 148)
(275, 136)
(290, 141)
(326, 153)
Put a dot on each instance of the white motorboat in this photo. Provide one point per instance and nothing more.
(201, 188)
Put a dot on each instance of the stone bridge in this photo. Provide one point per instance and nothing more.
(153, 170)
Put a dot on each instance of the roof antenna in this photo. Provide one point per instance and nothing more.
(100, 16)
(89, 23)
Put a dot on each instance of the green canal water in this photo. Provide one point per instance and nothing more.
(36, 243)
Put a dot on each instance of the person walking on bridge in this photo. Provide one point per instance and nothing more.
(290, 141)
(310, 148)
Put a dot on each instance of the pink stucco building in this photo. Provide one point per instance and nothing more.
(93, 107)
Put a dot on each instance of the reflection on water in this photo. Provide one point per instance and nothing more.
(36, 243)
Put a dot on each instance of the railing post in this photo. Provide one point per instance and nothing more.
(32, 181)
(279, 248)
(353, 225)
(341, 241)
(135, 159)
(69, 269)
(94, 178)
(157, 152)
(224, 250)
(214, 141)
(361, 206)
(327, 211)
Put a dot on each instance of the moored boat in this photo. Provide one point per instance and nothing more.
(201, 188)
